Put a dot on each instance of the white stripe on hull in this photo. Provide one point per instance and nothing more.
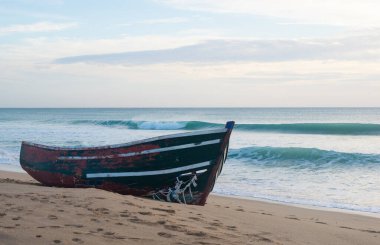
(149, 173)
(158, 150)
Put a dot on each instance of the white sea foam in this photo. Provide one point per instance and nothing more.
(7, 157)
(161, 125)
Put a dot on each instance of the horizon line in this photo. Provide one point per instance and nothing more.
(198, 107)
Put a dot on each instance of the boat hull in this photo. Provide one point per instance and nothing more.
(177, 168)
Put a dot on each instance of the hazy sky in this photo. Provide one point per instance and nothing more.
(174, 53)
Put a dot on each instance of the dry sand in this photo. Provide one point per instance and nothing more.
(34, 214)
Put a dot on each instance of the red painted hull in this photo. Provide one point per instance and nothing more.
(178, 168)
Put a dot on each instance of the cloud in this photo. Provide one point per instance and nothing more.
(298, 83)
(27, 73)
(36, 27)
(46, 49)
(362, 47)
(333, 12)
(173, 20)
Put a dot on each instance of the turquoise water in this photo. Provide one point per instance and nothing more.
(327, 157)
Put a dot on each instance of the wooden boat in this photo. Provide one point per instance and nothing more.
(179, 168)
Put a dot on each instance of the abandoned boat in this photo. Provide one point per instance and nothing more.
(179, 168)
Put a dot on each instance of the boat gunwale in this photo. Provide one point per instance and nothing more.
(137, 142)
(144, 152)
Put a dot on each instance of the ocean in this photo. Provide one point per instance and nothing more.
(323, 157)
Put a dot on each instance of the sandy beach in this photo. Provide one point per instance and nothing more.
(35, 214)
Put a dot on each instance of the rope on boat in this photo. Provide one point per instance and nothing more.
(178, 191)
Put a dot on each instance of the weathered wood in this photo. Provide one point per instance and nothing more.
(180, 167)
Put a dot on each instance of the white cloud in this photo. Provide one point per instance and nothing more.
(331, 12)
(298, 83)
(45, 50)
(36, 27)
(306, 78)
(360, 47)
(173, 20)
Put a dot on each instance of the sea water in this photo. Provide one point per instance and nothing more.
(325, 157)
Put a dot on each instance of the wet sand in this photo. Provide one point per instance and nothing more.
(35, 214)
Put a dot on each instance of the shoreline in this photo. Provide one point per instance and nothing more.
(305, 206)
(36, 214)
(16, 169)
(5, 167)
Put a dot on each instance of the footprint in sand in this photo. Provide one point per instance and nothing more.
(77, 240)
(292, 217)
(260, 238)
(57, 241)
(348, 228)
(175, 228)
(196, 233)
(170, 211)
(195, 218)
(215, 224)
(140, 221)
(319, 222)
(267, 214)
(371, 231)
(74, 225)
(368, 231)
(164, 234)
(7, 227)
(128, 203)
(102, 210)
(119, 237)
(161, 222)
(17, 209)
(52, 217)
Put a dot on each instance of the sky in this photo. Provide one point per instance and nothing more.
(189, 53)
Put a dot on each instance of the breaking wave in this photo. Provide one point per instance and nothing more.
(291, 128)
(301, 157)
(316, 128)
(151, 125)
